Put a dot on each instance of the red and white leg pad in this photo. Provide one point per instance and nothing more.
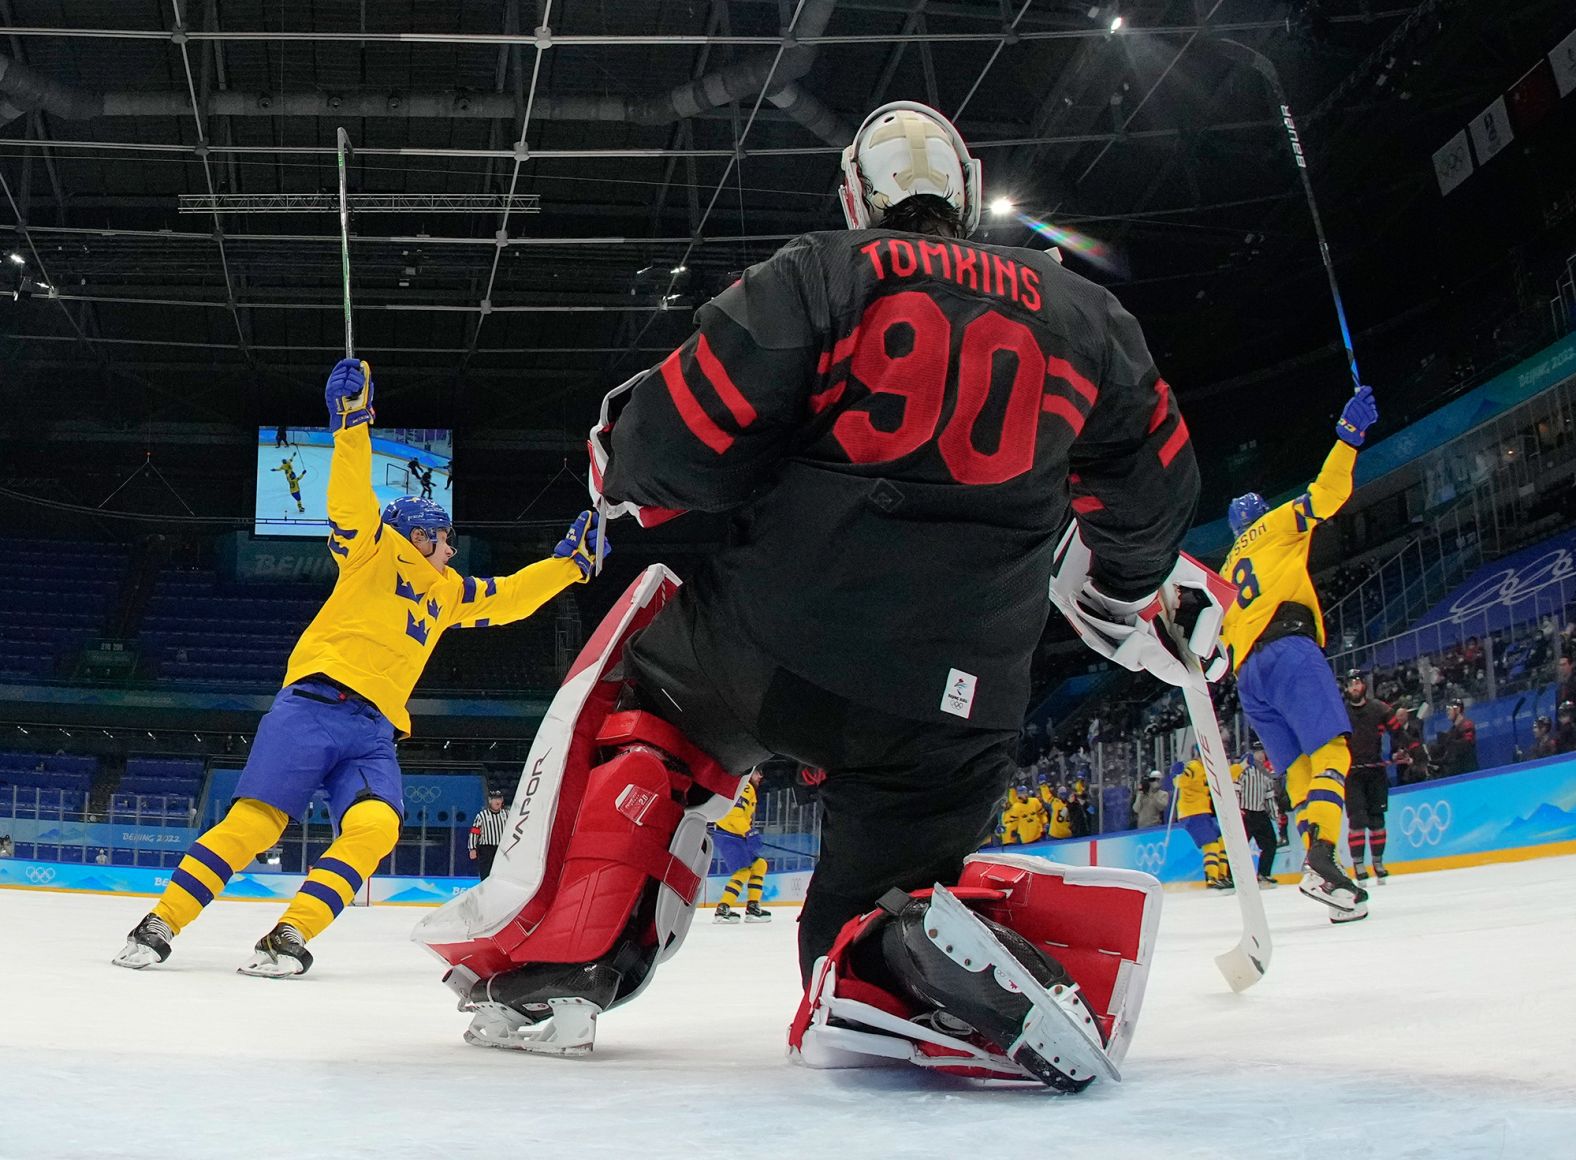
(600, 871)
(1098, 923)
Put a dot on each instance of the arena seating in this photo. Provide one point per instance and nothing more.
(58, 594)
(198, 628)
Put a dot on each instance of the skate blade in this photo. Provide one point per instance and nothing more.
(569, 1031)
(757, 918)
(1058, 1029)
(1345, 916)
(135, 956)
(263, 967)
(725, 919)
(1331, 900)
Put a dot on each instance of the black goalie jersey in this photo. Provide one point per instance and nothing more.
(901, 425)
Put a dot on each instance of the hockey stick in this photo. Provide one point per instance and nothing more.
(342, 143)
(1244, 964)
(1266, 68)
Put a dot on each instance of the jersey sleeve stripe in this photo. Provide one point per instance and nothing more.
(1062, 369)
(701, 425)
(1063, 409)
(1173, 446)
(711, 366)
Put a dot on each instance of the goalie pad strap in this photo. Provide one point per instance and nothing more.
(643, 852)
(632, 726)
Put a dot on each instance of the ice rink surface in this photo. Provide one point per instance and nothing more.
(1440, 1027)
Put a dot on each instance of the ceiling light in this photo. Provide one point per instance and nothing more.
(1116, 23)
(1002, 206)
(679, 270)
(17, 258)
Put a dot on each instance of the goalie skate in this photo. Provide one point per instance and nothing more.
(568, 1028)
(949, 993)
(1060, 1043)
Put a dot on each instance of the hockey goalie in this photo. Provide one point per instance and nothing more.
(900, 425)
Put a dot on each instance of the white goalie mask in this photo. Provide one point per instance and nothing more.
(903, 149)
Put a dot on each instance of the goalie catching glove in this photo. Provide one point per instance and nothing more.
(1135, 633)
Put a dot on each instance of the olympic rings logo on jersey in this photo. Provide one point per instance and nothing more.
(41, 875)
(1425, 825)
(423, 795)
(1150, 857)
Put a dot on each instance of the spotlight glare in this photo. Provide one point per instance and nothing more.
(678, 270)
(1116, 23)
(1002, 206)
(17, 258)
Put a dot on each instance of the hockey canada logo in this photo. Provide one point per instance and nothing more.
(1425, 825)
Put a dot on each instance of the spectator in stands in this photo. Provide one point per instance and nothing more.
(1565, 730)
(1456, 747)
(1150, 802)
(7, 850)
(1567, 689)
(487, 829)
(1407, 750)
(1543, 743)
(101, 858)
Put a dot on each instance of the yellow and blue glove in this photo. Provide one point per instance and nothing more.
(1360, 413)
(581, 543)
(349, 394)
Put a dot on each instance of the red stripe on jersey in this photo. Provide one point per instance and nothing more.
(711, 366)
(845, 346)
(1178, 440)
(1084, 504)
(1064, 409)
(701, 425)
(1062, 369)
(1162, 405)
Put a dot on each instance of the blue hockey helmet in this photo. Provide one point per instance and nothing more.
(1245, 511)
(411, 513)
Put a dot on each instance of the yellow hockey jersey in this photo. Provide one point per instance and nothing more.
(1025, 818)
(741, 817)
(1192, 790)
(292, 480)
(377, 629)
(1268, 564)
(1057, 825)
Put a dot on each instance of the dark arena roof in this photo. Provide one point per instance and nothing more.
(545, 191)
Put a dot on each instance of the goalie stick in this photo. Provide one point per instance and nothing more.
(1244, 964)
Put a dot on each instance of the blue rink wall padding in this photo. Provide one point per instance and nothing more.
(1477, 818)
(1498, 815)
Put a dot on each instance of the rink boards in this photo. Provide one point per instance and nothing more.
(1503, 815)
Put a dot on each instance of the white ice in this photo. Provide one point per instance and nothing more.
(1440, 1027)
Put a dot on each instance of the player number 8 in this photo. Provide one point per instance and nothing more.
(1248, 588)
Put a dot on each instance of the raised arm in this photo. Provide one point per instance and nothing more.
(353, 517)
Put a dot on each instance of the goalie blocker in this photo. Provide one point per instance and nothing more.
(601, 869)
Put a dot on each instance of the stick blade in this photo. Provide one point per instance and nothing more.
(1244, 964)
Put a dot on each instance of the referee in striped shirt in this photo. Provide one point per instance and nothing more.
(1256, 796)
(487, 831)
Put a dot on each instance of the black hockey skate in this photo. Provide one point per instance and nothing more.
(754, 913)
(1359, 873)
(1323, 881)
(147, 944)
(726, 913)
(548, 1008)
(981, 980)
(279, 954)
(1380, 873)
